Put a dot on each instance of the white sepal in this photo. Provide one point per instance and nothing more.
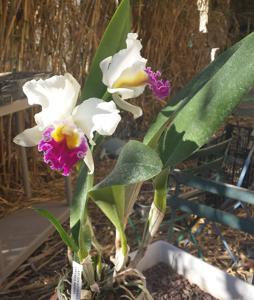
(29, 137)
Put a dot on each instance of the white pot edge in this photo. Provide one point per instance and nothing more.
(209, 278)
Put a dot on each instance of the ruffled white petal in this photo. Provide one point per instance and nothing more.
(124, 105)
(96, 115)
(113, 67)
(88, 159)
(29, 137)
(57, 95)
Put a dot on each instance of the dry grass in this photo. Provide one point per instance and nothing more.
(60, 36)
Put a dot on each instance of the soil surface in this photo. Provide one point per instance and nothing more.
(164, 284)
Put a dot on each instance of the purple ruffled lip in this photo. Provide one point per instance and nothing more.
(161, 88)
(58, 156)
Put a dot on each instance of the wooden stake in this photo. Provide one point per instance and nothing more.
(24, 164)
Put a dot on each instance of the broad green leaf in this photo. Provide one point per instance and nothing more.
(112, 41)
(112, 196)
(136, 163)
(186, 94)
(58, 226)
(210, 105)
(109, 203)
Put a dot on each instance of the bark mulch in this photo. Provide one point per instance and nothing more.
(164, 284)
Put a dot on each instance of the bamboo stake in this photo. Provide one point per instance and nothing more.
(3, 17)
(24, 33)
(3, 164)
(24, 163)
(11, 28)
(9, 141)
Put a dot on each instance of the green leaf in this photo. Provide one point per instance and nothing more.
(85, 237)
(161, 190)
(112, 41)
(109, 203)
(110, 198)
(81, 233)
(58, 226)
(136, 163)
(211, 103)
(79, 201)
(186, 94)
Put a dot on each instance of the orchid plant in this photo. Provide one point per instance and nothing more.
(67, 133)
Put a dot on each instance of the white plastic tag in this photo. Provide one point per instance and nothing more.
(76, 281)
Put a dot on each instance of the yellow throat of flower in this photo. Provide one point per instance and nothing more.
(71, 136)
(127, 81)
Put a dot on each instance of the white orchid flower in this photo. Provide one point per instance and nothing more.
(62, 130)
(126, 76)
